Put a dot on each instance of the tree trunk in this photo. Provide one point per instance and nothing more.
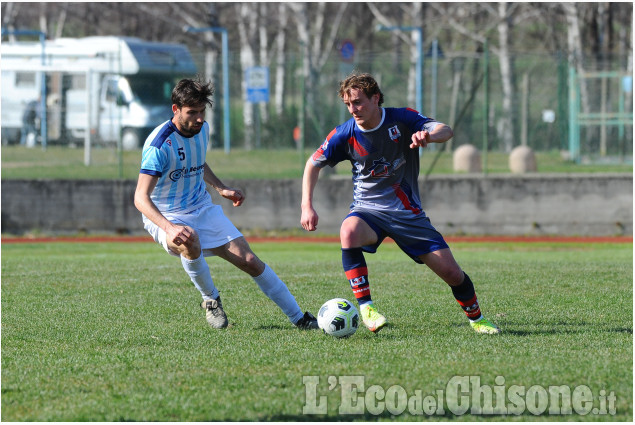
(43, 19)
(247, 23)
(302, 25)
(574, 42)
(281, 42)
(61, 19)
(263, 39)
(506, 122)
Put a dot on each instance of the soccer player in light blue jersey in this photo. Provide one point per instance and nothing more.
(179, 213)
(382, 144)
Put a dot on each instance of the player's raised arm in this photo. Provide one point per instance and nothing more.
(309, 218)
(441, 133)
(234, 195)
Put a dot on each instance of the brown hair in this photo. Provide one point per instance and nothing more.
(364, 82)
(188, 92)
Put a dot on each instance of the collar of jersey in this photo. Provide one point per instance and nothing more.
(383, 117)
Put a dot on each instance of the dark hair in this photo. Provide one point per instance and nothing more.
(364, 82)
(188, 92)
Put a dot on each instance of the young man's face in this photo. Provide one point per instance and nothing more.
(189, 119)
(365, 110)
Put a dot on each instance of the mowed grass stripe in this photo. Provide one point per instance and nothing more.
(112, 331)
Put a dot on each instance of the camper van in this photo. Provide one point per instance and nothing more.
(101, 89)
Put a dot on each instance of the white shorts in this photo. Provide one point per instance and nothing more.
(214, 229)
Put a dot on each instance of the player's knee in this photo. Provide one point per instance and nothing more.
(191, 248)
(253, 265)
(349, 236)
(453, 276)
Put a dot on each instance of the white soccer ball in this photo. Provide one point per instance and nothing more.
(338, 317)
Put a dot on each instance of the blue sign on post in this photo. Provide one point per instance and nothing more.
(257, 79)
(347, 51)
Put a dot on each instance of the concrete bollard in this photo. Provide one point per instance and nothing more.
(467, 159)
(522, 160)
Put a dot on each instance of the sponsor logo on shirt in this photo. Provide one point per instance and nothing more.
(186, 172)
(380, 168)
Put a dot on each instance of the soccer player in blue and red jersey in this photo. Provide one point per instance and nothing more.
(179, 213)
(383, 145)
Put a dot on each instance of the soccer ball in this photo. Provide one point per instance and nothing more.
(338, 317)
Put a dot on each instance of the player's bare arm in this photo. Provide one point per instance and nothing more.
(234, 195)
(442, 133)
(309, 218)
(178, 235)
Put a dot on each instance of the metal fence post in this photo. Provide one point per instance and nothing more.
(574, 129)
(485, 105)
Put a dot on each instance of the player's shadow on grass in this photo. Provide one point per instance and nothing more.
(365, 417)
(562, 328)
(272, 327)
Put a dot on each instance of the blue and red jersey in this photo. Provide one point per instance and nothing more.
(385, 168)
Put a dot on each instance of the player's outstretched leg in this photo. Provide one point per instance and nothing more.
(466, 297)
(239, 253)
(269, 282)
(356, 272)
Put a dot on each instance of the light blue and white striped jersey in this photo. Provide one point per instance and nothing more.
(178, 161)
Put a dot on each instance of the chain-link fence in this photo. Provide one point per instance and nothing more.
(454, 91)
(463, 90)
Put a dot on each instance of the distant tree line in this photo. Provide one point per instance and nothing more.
(590, 35)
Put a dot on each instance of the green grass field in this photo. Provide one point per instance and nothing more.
(68, 163)
(113, 332)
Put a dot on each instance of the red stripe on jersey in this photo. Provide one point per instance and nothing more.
(331, 134)
(404, 199)
(317, 154)
(355, 273)
(357, 146)
(413, 110)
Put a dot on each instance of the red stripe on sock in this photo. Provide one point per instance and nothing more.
(355, 273)
(361, 292)
(471, 307)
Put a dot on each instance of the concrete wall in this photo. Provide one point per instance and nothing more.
(533, 204)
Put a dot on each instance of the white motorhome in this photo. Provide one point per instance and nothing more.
(110, 87)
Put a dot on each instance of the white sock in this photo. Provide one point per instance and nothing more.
(198, 270)
(277, 291)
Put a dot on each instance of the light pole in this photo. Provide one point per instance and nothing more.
(43, 122)
(225, 54)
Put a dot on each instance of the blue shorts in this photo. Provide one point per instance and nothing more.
(414, 234)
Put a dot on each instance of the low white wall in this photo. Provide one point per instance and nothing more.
(532, 204)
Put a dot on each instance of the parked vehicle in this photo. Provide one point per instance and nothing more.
(104, 88)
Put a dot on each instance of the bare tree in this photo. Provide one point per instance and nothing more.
(386, 17)
(574, 42)
(316, 37)
(281, 43)
(247, 30)
(506, 122)
(505, 17)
